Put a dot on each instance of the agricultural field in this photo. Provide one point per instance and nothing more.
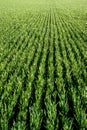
(43, 64)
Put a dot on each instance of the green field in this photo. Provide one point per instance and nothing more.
(43, 65)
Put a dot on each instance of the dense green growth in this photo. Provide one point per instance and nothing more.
(43, 65)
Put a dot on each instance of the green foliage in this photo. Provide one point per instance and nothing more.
(43, 65)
